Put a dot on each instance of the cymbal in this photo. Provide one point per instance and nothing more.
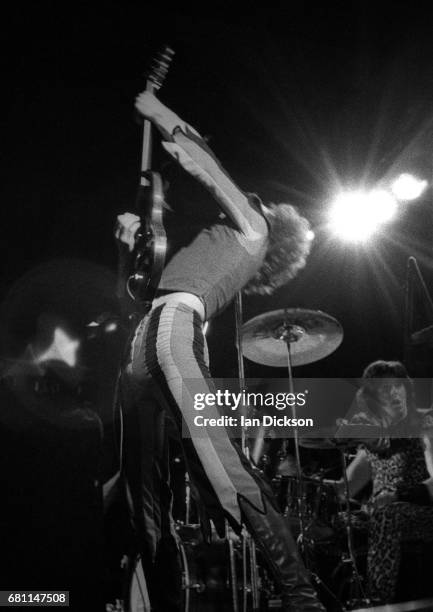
(312, 335)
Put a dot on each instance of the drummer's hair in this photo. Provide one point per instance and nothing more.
(386, 369)
(288, 249)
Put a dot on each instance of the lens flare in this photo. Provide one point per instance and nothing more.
(408, 187)
(356, 215)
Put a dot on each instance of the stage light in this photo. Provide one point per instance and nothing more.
(408, 187)
(310, 235)
(356, 215)
(111, 327)
(382, 205)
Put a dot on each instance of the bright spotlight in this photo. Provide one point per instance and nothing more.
(382, 205)
(310, 235)
(357, 215)
(408, 187)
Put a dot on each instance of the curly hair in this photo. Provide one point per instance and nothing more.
(289, 246)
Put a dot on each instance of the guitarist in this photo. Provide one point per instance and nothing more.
(254, 248)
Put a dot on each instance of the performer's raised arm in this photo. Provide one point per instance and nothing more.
(186, 145)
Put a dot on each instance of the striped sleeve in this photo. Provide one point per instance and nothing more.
(194, 155)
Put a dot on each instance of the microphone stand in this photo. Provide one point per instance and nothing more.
(413, 268)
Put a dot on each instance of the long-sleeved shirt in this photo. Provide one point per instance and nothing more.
(225, 255)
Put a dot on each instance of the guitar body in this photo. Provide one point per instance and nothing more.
(151, 243)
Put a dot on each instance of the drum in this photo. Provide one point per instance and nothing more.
(215, 576)
(206, 570)
(318, 501)
(222, 575)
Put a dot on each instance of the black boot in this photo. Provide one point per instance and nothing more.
(273, 537)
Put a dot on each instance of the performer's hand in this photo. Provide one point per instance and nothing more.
(127, 226)
(148, 105)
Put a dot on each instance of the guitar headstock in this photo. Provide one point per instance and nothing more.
(159, 67)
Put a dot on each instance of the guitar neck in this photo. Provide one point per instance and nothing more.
(146, 151)
(140, 276)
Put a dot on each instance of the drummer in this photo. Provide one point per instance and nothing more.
(399, 467)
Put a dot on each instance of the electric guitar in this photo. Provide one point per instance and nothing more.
(148, 256)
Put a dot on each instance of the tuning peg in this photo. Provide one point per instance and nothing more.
(160, 66)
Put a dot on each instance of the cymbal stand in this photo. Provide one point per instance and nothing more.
(187, 499)
(241, 369)
(350, 559)
(233, 572)
(289, 334)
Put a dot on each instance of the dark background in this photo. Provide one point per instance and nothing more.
(297, 100)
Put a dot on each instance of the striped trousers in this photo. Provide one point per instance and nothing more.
(168, 353)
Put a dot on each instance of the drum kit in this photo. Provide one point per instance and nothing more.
(229, 574)
(293, 337)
